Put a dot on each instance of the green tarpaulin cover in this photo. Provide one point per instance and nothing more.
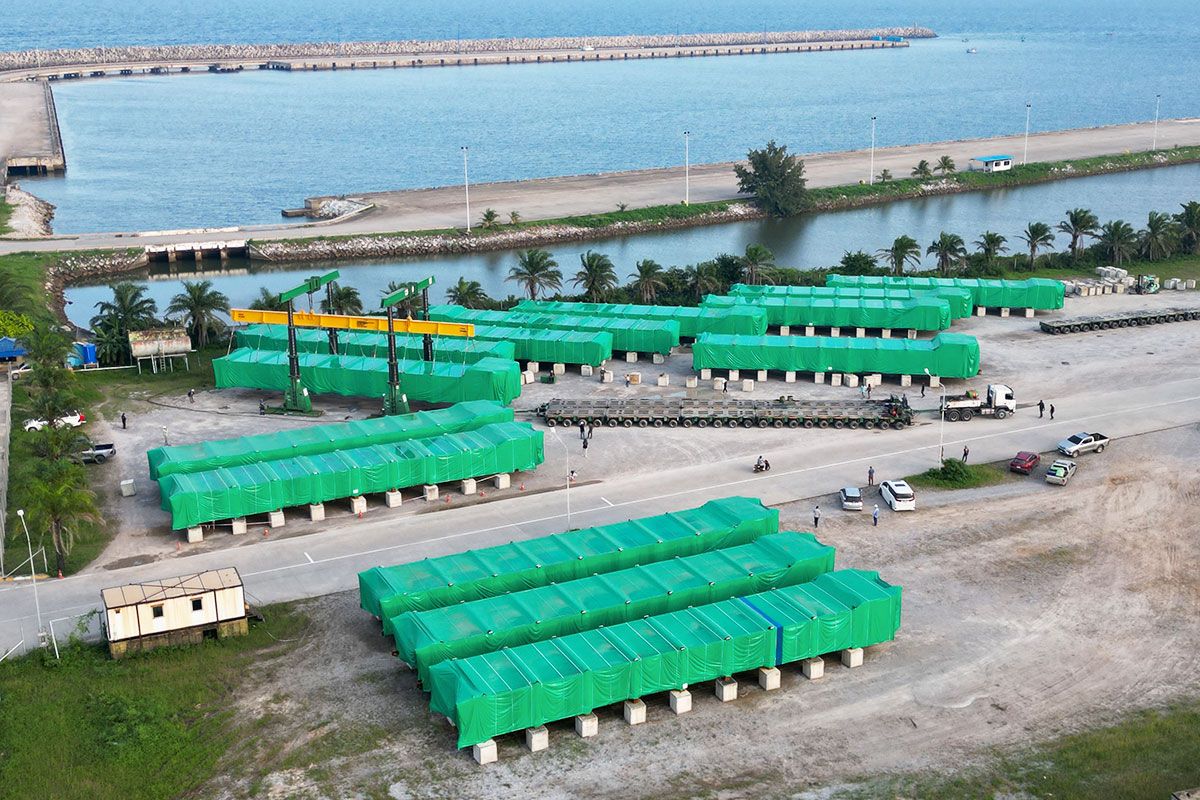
(1038, 293)
(424, 638)
(435, 582)
(958, 298)
(360, 376)
(947, 355)
(693, 321)
(264, 486)
(634, 335)
(324, 438)
(454, 349)
(922, 313)
(551, 346)
(523, 687)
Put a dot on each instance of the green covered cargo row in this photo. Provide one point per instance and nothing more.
(960, 299)
(632, 335)
(360, 376)
(551, 346)
(386, 592)
(229, 493)
(452, 349)
(922, 313)
(738, 318)
(1037, 293)
(425, 638)
(947, 355)
(523, 687)
(324, 438)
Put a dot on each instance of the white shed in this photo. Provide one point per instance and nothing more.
(996, 163)
(182, 610)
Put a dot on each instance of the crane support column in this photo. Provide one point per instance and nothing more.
(295, 397)
(394, 402)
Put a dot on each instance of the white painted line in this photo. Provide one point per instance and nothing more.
(310, 558)
(610, 502)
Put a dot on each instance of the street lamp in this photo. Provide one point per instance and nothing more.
(1025, 158)
(687, 169)
(1157, 103)
(942, 426)
(871, 175)
(466, 186)
(32, 575)
(567, 459)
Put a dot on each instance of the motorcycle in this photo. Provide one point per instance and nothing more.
(764, 466)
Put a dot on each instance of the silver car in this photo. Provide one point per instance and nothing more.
(851, 498)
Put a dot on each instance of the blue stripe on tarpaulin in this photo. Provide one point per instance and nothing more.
(778, 630)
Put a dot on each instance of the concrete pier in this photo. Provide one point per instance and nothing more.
(30, 143)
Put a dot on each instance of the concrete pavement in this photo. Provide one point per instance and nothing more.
(329, 561)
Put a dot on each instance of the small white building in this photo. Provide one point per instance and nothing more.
(996, 163)
(173, 611)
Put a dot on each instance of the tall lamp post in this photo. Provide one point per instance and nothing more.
(467, 186)
(1157, 103)
(942, 425)
(871, 175)
(32, 574)
(567, 464)
(687, 169)
(1025, 157)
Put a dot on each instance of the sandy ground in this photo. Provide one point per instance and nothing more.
(1029, 611)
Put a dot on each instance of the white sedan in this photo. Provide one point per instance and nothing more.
(72, 420)
(898, 495)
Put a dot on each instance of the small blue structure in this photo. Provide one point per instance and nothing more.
(10, 349)
(996, 163)
(82, 355)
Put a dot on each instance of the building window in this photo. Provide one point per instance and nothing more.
(197, 605)
(156, 611)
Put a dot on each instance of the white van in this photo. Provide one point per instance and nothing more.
(898, 495)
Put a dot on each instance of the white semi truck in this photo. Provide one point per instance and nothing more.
(999, 402)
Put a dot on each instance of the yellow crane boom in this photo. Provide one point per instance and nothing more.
(308, 319)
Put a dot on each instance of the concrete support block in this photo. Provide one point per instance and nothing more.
(316, 511)
(785, 330)
(528, 377)
(735, 375)
(1004, 312)
(835, 331)
(818, 377)
(691, 382)
(874, 379)
(663, 379)
(239, 526)
(631, 358)
(905, 381)
(468, 486)
(587, 725)
(559, 369)
(809, 330)
(537, 738)
(725, 689)
(860, 332)
(835, 379)
(635, 711)
(852, 657)
(934, 382)
(852, 381)
(392, 499)
(1190, 283)
(503, 480)
(1029, 313)
(431, 492)
(635, 378)
(358, 505)
(681, 701)
(718, 384)
(195, 535)
(789, 376)
(275, 519)
(658, 358)
(534, 366)
(128, 489)
(768, 678)
(885, 333)
(606, 376)
(485, 752)
(762, 375)
(586, 370)
(912, 333)
(980, 311)
(813, 668)
(706, 374)
(747, 385)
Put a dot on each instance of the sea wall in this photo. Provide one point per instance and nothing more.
(31, 216)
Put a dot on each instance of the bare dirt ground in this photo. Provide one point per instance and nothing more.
(1029, 611)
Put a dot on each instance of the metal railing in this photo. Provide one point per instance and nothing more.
(5, 439)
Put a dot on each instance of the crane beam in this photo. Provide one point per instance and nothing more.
(308, 319)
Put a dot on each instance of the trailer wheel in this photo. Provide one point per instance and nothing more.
(674, 423)
(551, 422)
(853, 424)
(658, 423)
(953, 415)
(612, 423)
(777, 423)
(747, 423)
(701, 423)
(642, 423)
(687, 423)
(793, 423)
(762, 423)
(823, 423)
(898, 425)
(837, 423)
(967, 414)
(868, 424)
(1001, 413)
(628, 423)
(808, 423)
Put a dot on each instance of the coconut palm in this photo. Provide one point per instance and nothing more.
(989, 245)
(945, 165)
(596, 276)
(904, 252)
(702, 279)
(1036, 236)
(112, 346)
(922, 170)
(884, 176)
(342, 299)
(1118, 241)
(59, 501)
(1160, 236)
(514, 217)
(129, 310)
(1189, 227)
(55, 442)
(267, 301)
(755, 262)
(647, 280)
(198, 304)
(950, 251)
(1080, 222)
(468, 294)
(490, 218)
(536, 271)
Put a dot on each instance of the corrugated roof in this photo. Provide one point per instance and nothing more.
(182, 586)
(986, 159)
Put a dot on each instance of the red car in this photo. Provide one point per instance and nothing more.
(1024, 462)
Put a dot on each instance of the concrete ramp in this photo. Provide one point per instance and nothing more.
(30, 143)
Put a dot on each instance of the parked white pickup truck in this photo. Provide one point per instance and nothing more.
(1083, 443)
(72, 420)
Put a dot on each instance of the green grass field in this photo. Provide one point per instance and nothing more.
(953, 474)
(5, 212)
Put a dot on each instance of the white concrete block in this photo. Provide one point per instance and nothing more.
(835, 379)
(860, 332)
(559, 369)
(316, 511)
(275, 519)
(725, 689)
(635, 378)
(768, 678)
(485, 752)
(718, 384)
(358, 505)
(912, 334)
(468, 486)
(747, 385)
(835, 331)
(431, 492)
(885, 333)
(681, 701)
(537, 738)
(663, 379)
(128, 489)
(691, 382)
(789, 376)
(587, 725)
(735, 375)
(1004, 312)
(1029, 313)
(785, 330)
(503, 480)
(392, 499)
(635, 711)
(852, 381)
(706, 374)
(762, 375)
(606, 376)
(195, 535)
(934, 382)
(813, 668)
(874, 379)
(534, 366)
(631, 358)
(980, 311)
(809, 330)
(658, 358)
(852, 657)
(905, 381)
(239, 526)
(1190, 283)
(529, 377)
(586, 370)
(818, 377)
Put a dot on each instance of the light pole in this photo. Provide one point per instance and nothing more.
(32, 575)
(467, 186)
(567, 464)
(942, 425)
(1025, 158)
(687, 170)
(871, 175)
(1157, 103)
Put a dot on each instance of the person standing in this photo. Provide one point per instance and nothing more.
(868, 391)
(875, 516)
(870, 476)
(262, 408)
(816, 516)
(123, 421)
(626, 381)
(966, 452)
(590, 430)
(582, 429)
(1041, 408)
(191, 395)
(585, 447)
(1052, 411)
(922, 390)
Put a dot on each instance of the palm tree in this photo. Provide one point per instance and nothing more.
(922, 170)
(648, 280)
(267, 301)
(112, 346)
(407, 307)
(702, 279)
(1080, 222)
(884, 176)
(950, 250)
(199, 304)
(129, 310)
(597, 276)
(514, 217)
(857, 263)
(1037, 235)
(1160, 236)
(341, 299)
(991, 244)
(756, 261)
(1189, 227)
(59, 501)
(490, 218)
(904, 252)
(55, 442)
(1118, 240)
(468, 294)
(945, 165)
(537, 271)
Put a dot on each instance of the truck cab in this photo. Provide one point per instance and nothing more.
(998, 401)
(1001, 396)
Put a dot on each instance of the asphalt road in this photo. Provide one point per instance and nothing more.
(329, 561)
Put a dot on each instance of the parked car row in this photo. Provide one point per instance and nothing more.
(1061, 470)
(898, 495)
